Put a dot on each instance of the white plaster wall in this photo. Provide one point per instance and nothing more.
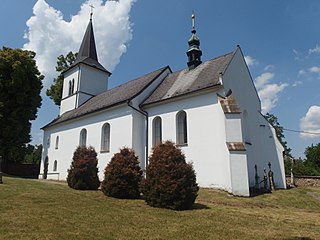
(261, 148)
(92, 81)
(120, 120)
(139, 136)
(239, 174)
(206, 136)
(139, 119)
(88, 82)
(68, 104)
(233, 128)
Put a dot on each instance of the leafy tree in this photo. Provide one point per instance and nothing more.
(20, 87)
(170, 181)
(122, 175)
(55, 90)
(313, 155)
(83, 172)
(34, 154)
(273, 120)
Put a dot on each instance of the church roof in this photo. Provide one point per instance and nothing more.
(115, 96)
(176, 84)
(87, 53)
(186, 81)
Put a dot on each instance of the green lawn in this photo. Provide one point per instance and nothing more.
(35, 209)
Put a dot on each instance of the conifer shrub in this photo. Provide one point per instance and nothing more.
(83, 172)
(170, 182)
(122, 176)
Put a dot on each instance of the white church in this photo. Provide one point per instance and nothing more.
(211, 110)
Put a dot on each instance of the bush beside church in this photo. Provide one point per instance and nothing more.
(170, 182)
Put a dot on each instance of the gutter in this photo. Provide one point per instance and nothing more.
(144, 113)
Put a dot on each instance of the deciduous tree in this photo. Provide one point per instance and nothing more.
(273, 120)
(55, 90)
(20, 86)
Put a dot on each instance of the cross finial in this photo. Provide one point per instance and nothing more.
(193, 19)
(91, 11)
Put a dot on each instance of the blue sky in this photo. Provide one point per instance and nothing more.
(280, 39)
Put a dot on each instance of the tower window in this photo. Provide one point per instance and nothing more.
(72, 87)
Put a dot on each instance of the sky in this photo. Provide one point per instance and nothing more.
(280, 41)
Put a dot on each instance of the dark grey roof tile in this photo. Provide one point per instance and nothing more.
(112, 97)
(186, 81)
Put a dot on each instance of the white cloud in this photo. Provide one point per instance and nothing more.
(268, 67)
(297, 83)
(268, 92)
(50, 36)
(316, 49)
(250, 61)
(311, 123)
(301, 72)
(263, 79)
(314, 69)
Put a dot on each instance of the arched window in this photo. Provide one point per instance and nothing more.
(157, 131)
(105, 138)
(57, 142)
(72, 86)
(83, 137)
(55, 165)
(181, 122)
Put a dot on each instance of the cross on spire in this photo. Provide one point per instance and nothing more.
(193, 19)
(91, 11)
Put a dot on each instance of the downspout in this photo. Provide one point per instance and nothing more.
(144, 113)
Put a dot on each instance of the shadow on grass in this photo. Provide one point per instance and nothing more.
(199, 206)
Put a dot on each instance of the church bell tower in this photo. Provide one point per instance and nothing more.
(194, 53)
(86, 77)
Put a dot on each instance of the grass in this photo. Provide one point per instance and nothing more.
(35, 209)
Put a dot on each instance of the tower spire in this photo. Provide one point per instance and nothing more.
(194, 53)
(87, 53)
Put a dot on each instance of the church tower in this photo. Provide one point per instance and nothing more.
(194, 53)
(86, 77)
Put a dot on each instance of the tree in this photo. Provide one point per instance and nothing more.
(20, 87)
(313, 156)
(55, 90)
(122, 176)
(273, 120)
(83, 172)
(170, 181)
(33, 155)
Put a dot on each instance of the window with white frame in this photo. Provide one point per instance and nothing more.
(83, 137)
(181, 122)
(157, 131)
(105, 138)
